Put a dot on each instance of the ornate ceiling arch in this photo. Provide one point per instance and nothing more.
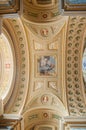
(76, 92)
(14, 29)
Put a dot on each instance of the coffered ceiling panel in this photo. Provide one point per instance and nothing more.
(76, 90)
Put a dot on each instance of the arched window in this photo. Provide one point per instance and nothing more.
(6, 67)
(84, 63)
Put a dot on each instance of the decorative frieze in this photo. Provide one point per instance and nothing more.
(41, 11)
(42, 117)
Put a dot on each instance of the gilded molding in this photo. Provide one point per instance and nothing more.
(68, 5)
(9, 6)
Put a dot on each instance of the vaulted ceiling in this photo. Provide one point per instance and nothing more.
(42, 62)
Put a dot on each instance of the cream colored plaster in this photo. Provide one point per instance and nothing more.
(7, 67)
(46, 92)
(14, 28)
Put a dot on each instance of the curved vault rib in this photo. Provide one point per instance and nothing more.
(73, 70)
(14, 28)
